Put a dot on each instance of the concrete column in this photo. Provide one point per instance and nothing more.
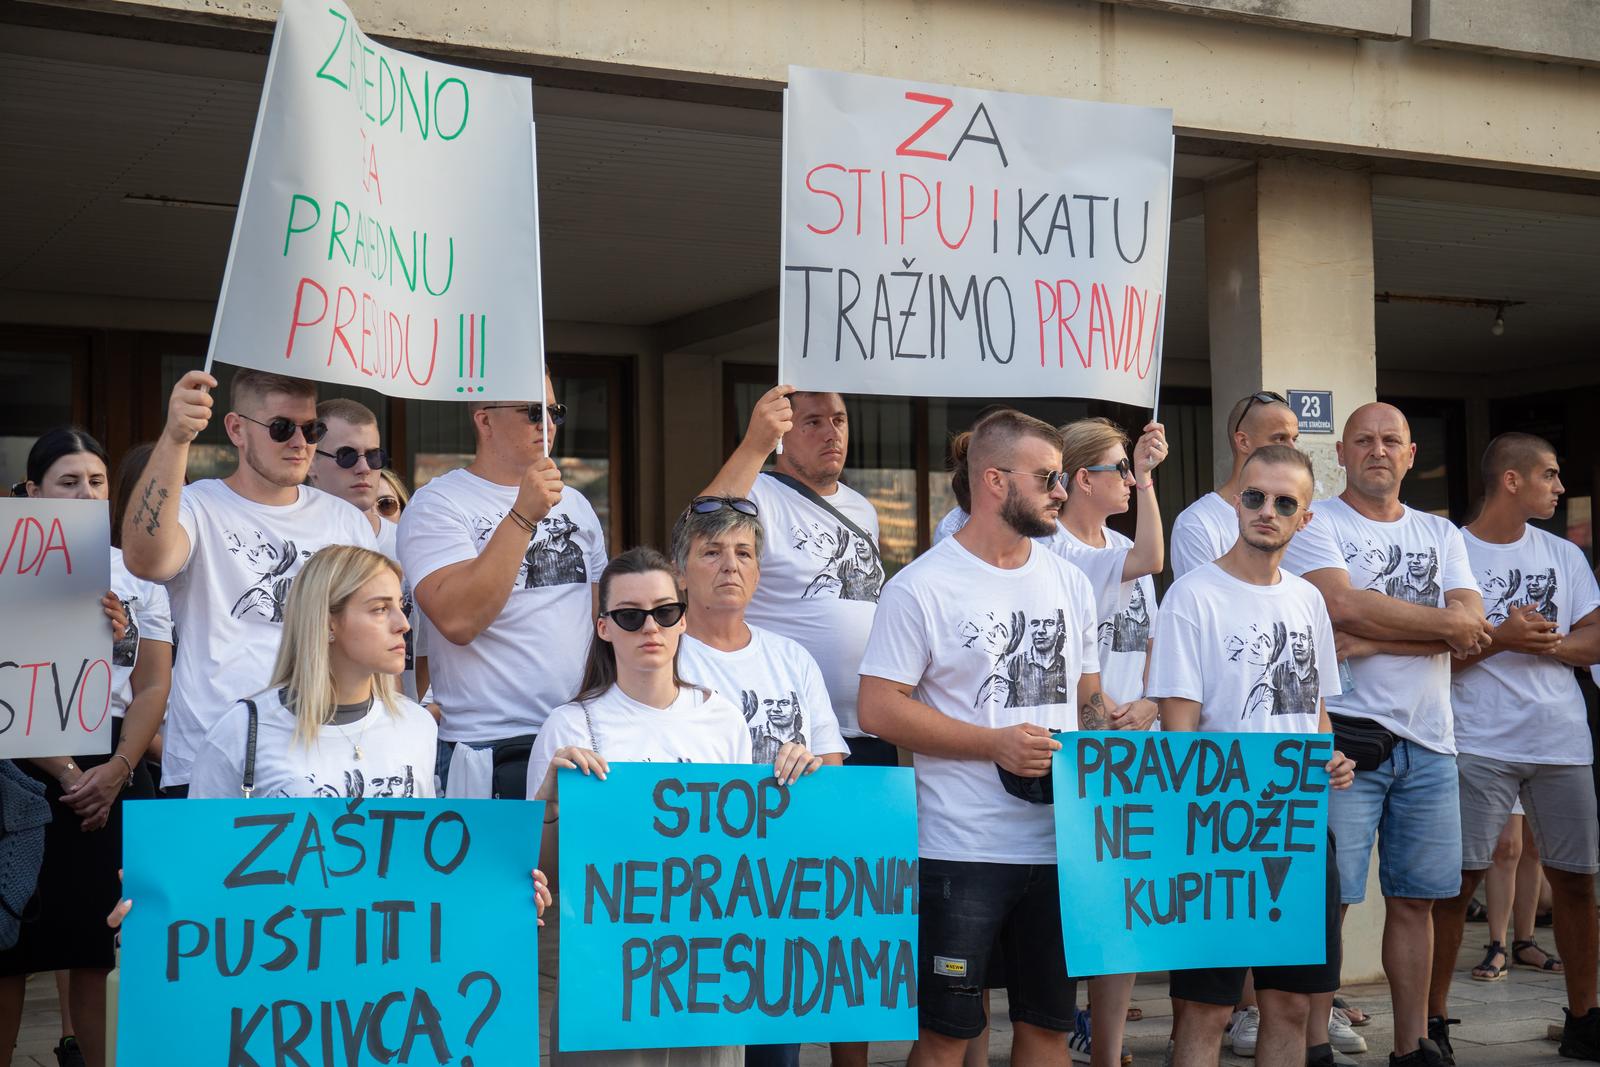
(1289, 267)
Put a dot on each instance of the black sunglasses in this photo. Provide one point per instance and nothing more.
(347, 456)
(536, 411)
(1266, 396)
(281, 428)
(632, 619)
(1051, 478)
(1252, 499)
(1121, 466)
(706, 505)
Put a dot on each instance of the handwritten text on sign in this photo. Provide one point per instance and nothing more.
(387, 233)
(709, 905)
(1183, 850)
(55, 642)
(308, 931)
(953, 242)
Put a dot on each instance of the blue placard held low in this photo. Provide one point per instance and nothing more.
(709, 905)
(1182, 850)
(319, 932)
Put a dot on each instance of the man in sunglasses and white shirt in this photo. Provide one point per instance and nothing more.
(349, 463)
(503, 558)
(1206, 529)
(229, 548)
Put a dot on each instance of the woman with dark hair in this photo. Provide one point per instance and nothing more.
(83, 842)
(634, 706)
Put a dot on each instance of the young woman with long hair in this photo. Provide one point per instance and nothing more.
(83, 841)
(633, 706)
(332, 722)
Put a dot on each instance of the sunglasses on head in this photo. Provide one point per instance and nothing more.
(632, 619)
(1122, 467)
(1252, 499)
(536, 411)
(1266, 396)
(1051, 478)
(281, 428)
(706, 505)
(388, 506)
(347, 457)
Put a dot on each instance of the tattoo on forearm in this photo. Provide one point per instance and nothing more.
(1092, 715)
(148, 513)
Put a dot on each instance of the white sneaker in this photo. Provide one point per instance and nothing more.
(1341, 1036)
(1242, 1037)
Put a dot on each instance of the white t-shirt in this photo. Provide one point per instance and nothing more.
(1202, 532)
(699, 727)
(416, 637)
(1256, 657)
(1417, 558)
(819, 584)
(992, 647)
(776, 685)
(1513, 706)
(396, 754)
(1126, 627)
(530, 658)
(228, 600)
(149, 619)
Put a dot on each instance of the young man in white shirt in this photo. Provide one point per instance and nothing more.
(228, 548)
(1244, 646)
(1207, 528)
(938, 678)
(1522, 726)
(503, 559)
(349, 463)
(820, 568)
(1362, 553)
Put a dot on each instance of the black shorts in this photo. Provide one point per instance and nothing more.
(871, 752)
(1225, 985)
(970, 911)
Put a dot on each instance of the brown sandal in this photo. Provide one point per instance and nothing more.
(1489, 970)
(1551, 965)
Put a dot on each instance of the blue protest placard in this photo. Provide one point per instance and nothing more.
(1182, 850)
(320, 932)
(709, 905)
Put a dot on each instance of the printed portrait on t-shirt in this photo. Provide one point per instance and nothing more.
(1288, 683)
(554, 556)
(1129, 629)
(357, 786)
(1504, 590)
(125, 653)
(271, 561)
(850, 566)
(1028, 667)
(774, 720)
(1410, 574)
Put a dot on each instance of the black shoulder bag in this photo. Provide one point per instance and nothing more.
(816, 498)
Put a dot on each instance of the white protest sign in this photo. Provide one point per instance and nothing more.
(55, 642)
(387, 234)
(941, 241)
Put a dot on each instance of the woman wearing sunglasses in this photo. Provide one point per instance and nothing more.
(634, 706)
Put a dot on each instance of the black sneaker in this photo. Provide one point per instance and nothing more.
(1580, 1036)
(1319, 1056)
(1439, 1034)
(1426, 1054)
(68, 1054)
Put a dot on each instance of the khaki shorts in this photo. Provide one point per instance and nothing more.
(1558, 800)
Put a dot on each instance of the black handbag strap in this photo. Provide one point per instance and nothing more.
(816, 498)
(248, 783)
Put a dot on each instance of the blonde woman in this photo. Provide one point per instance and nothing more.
(332, 722)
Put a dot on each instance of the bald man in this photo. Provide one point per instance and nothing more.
(1522, 727)
(1400, 590)
(1206, 529)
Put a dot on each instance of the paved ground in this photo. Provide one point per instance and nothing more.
(1503, 1023)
